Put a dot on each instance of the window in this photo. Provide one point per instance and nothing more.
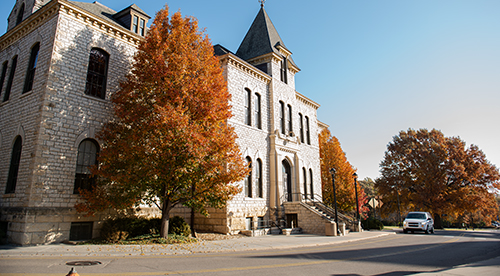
(87, 157)
(2, 77)
(135, 24)
(30, 74)
(80, 231)
(304, 174)
(11, 79)
(308, 135)
(249, 223)
(20, 15)
(248, 107)
(282, 117)
(142, 27)
(15, 160)
(248, 179)
(301, 126)
(311, 183)
(284, 69)
(258, 116)
(261, 223)
(289, 119)
(97, 73)
(258, 178)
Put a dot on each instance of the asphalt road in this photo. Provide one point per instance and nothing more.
(392, 255)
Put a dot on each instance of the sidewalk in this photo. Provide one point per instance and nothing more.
(230, 245)
(484, 268)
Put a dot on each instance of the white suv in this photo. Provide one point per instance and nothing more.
(418, 221)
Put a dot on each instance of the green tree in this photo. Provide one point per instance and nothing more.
(424, 170)
(169, 142)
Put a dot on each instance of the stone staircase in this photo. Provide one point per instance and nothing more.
(313, 217)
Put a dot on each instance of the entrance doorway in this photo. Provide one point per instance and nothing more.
(287, 179)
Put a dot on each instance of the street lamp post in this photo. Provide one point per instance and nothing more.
(332, 171)
(355, 175)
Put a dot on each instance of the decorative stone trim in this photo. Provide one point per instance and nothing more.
(306, 100)
(54, 7)
(246, 67)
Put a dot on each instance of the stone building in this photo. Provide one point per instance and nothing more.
(59, 63)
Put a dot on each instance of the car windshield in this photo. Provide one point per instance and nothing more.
(416, 216)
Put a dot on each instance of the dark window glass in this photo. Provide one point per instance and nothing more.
(258, 176)
(20, 15)
(304, 175)
(308, 135)
(311, 183)
(4, 73)
(87, 157)
(248, 179)
(301, 125)
(81, 231)
(10, 80)
(284, 69)
(142, 27)
(97, 73)
(135, 24)
(248, 107)
(289, 119)
(30, 74)
(282, 118)
(258, 116)
(15, 160)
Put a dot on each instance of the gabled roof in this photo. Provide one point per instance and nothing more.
(262, 38)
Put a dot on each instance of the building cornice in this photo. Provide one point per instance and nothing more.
(55, 7)
(306, 100)
(242, 65)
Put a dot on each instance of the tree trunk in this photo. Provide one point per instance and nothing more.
(437, 222)
(165, 219)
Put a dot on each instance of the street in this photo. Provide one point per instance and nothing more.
(395, 254)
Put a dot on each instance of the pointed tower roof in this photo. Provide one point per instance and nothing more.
(262, 38)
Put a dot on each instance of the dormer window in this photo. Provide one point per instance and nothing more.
(142, 26)
(134, 19)
(135, 26)
(284, 70)
(20, 15)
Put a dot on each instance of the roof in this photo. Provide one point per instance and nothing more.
(104, 12)
(262, 38)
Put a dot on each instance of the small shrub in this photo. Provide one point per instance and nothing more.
(177, 225)
(372, 223)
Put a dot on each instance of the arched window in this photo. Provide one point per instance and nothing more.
(311, 182)
(282, 118)
(20, 15)
(4, 73)
(258, 178)
(301, 126)
(30, 74)
(248, 179)
(289, 119)
(287, 179)
(15, 160)
(308, 133)
(258, 116)
(87, 157)
(248, 107)
(304, 175)
(97, 73)
(11, 79)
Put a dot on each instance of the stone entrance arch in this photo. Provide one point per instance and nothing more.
(287, 179)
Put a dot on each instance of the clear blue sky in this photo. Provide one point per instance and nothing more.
(376, 67)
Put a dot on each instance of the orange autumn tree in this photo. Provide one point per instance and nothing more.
(332, 156)
(169, 143)
(426, 171)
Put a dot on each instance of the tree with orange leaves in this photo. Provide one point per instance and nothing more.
(426, 171)
(332, 156)
(169, 142)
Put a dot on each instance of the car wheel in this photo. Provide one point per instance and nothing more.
(432, 230)
(427, 231)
